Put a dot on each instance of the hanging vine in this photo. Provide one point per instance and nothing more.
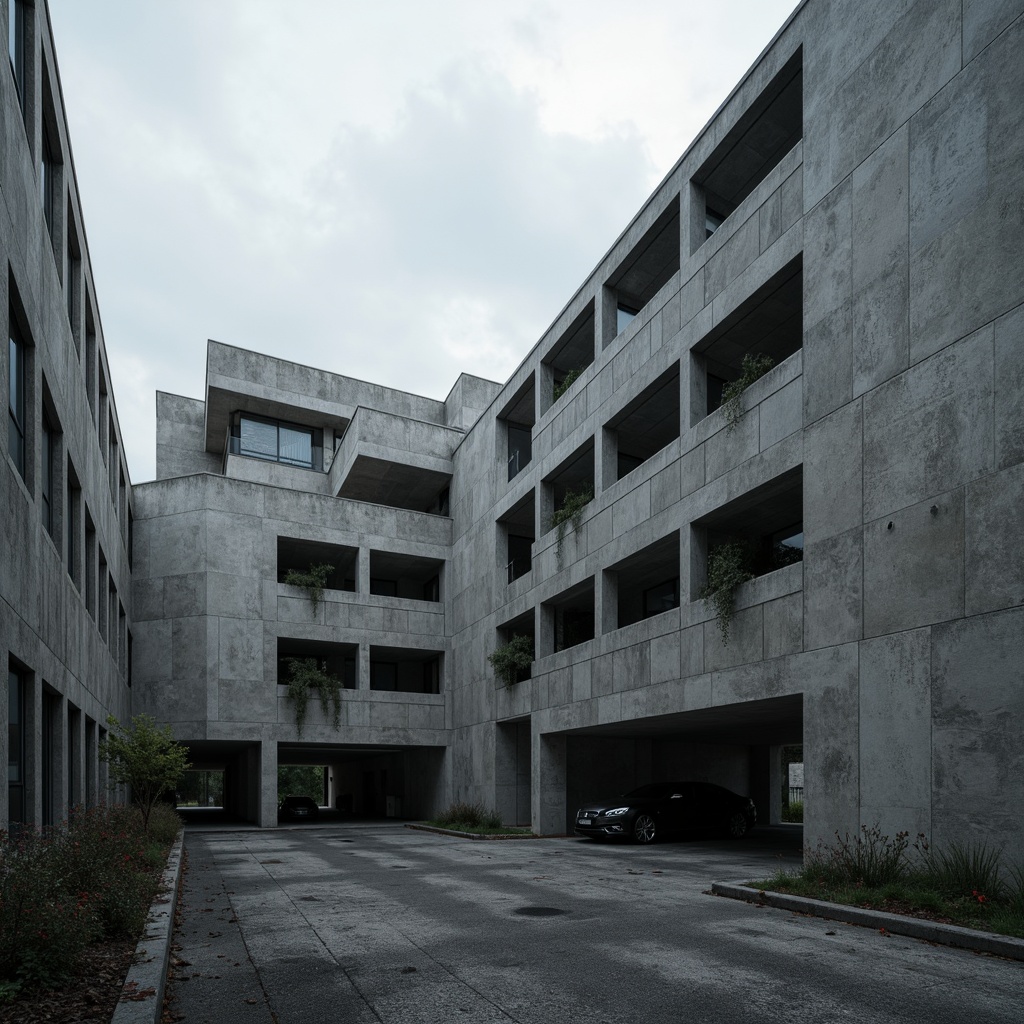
(728, 567)
(752, 369)
(570, 514)
(305, 675)
(313, 581)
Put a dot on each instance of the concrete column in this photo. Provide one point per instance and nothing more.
(606, 460)
(761, 780)
(363, 667)
(60, 758)
(606, 603)
(545, 643)
(268, 784)
(776, 783)
(363, 571)
(545, 387)
(547, 782)
(606, 315)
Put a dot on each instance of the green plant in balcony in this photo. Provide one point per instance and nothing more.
(305, 675)
(313, 581)
(570, 514)
(728, 567)
(565, 383)
(753, 368)
(513, 658)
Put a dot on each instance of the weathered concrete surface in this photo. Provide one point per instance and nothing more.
(378, 924)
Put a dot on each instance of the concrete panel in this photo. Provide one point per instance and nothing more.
(1009, 388)
(880, 264)
(930, 429)
(895, 732)
(832, 478)
(828, 363)
(978, 731)
(828, 267)
(738, 252)
(746, 640)
(967, 197)
(833, 584)
(902, 587)
(240, 649)
(780, 414)
(984, 20)
(783, 626)
(993, 552)
(831, 744)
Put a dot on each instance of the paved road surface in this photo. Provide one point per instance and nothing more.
(365, 924)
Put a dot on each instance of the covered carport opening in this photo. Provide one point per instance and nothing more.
(374, 781)
(238, 763)
(737, 746)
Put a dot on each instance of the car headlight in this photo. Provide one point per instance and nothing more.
(616, 811)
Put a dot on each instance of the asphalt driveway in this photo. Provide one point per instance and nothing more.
(369, 923)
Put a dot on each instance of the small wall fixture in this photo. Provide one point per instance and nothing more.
(889, 527)
(934, 510)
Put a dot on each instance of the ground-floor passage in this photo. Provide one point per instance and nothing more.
(379, 923)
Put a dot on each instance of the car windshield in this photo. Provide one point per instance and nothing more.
(653, 790)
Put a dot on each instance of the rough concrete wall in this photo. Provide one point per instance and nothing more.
(181, 437)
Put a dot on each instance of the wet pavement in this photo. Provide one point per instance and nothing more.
(372, 922)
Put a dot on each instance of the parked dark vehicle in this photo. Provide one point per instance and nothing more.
(298, 808)
(662, 807)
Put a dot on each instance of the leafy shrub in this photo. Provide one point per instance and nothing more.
(565, 383)
(793, 811)
(463, 816)
(164, 824)
(62, 888)
(512, 658)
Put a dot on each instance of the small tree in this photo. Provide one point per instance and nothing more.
(145, 758)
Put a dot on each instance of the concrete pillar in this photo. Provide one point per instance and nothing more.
(545, 643)
(268, 784)
(606, 603)
(776, 784)
(545, 387)
(606, 314)
(363, 667)
(760, 775)
(363, 571)
(606, 460)
(547, 782)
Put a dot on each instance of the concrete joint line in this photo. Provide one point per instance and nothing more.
(896, 924)
(142, 997)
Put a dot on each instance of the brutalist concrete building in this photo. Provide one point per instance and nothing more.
(854, 212)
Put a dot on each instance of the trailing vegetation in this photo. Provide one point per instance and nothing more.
(313, 581)
(304, 675)
(753, 368)
(565, 383)
(63, 888)
(512, 659)
(728, 567)
(793, 811)
(570, 514)
(965, 884)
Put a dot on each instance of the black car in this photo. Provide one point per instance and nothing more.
(659, 808)
(298, 808)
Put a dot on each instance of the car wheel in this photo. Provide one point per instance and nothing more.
(644, 829)
(737, 826)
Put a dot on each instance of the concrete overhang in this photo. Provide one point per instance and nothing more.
(772, 721)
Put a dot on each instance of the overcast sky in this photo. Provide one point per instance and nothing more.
(397, 191)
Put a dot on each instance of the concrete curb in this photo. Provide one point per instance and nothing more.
(142, 997)
(897, 924)
(466, 835)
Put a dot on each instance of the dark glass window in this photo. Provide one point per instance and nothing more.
(520, 445)
(624, 316)
(46, 485)
(661, 598)
(15, 746)
(16, 402)
(48, 182)
(278, 442)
